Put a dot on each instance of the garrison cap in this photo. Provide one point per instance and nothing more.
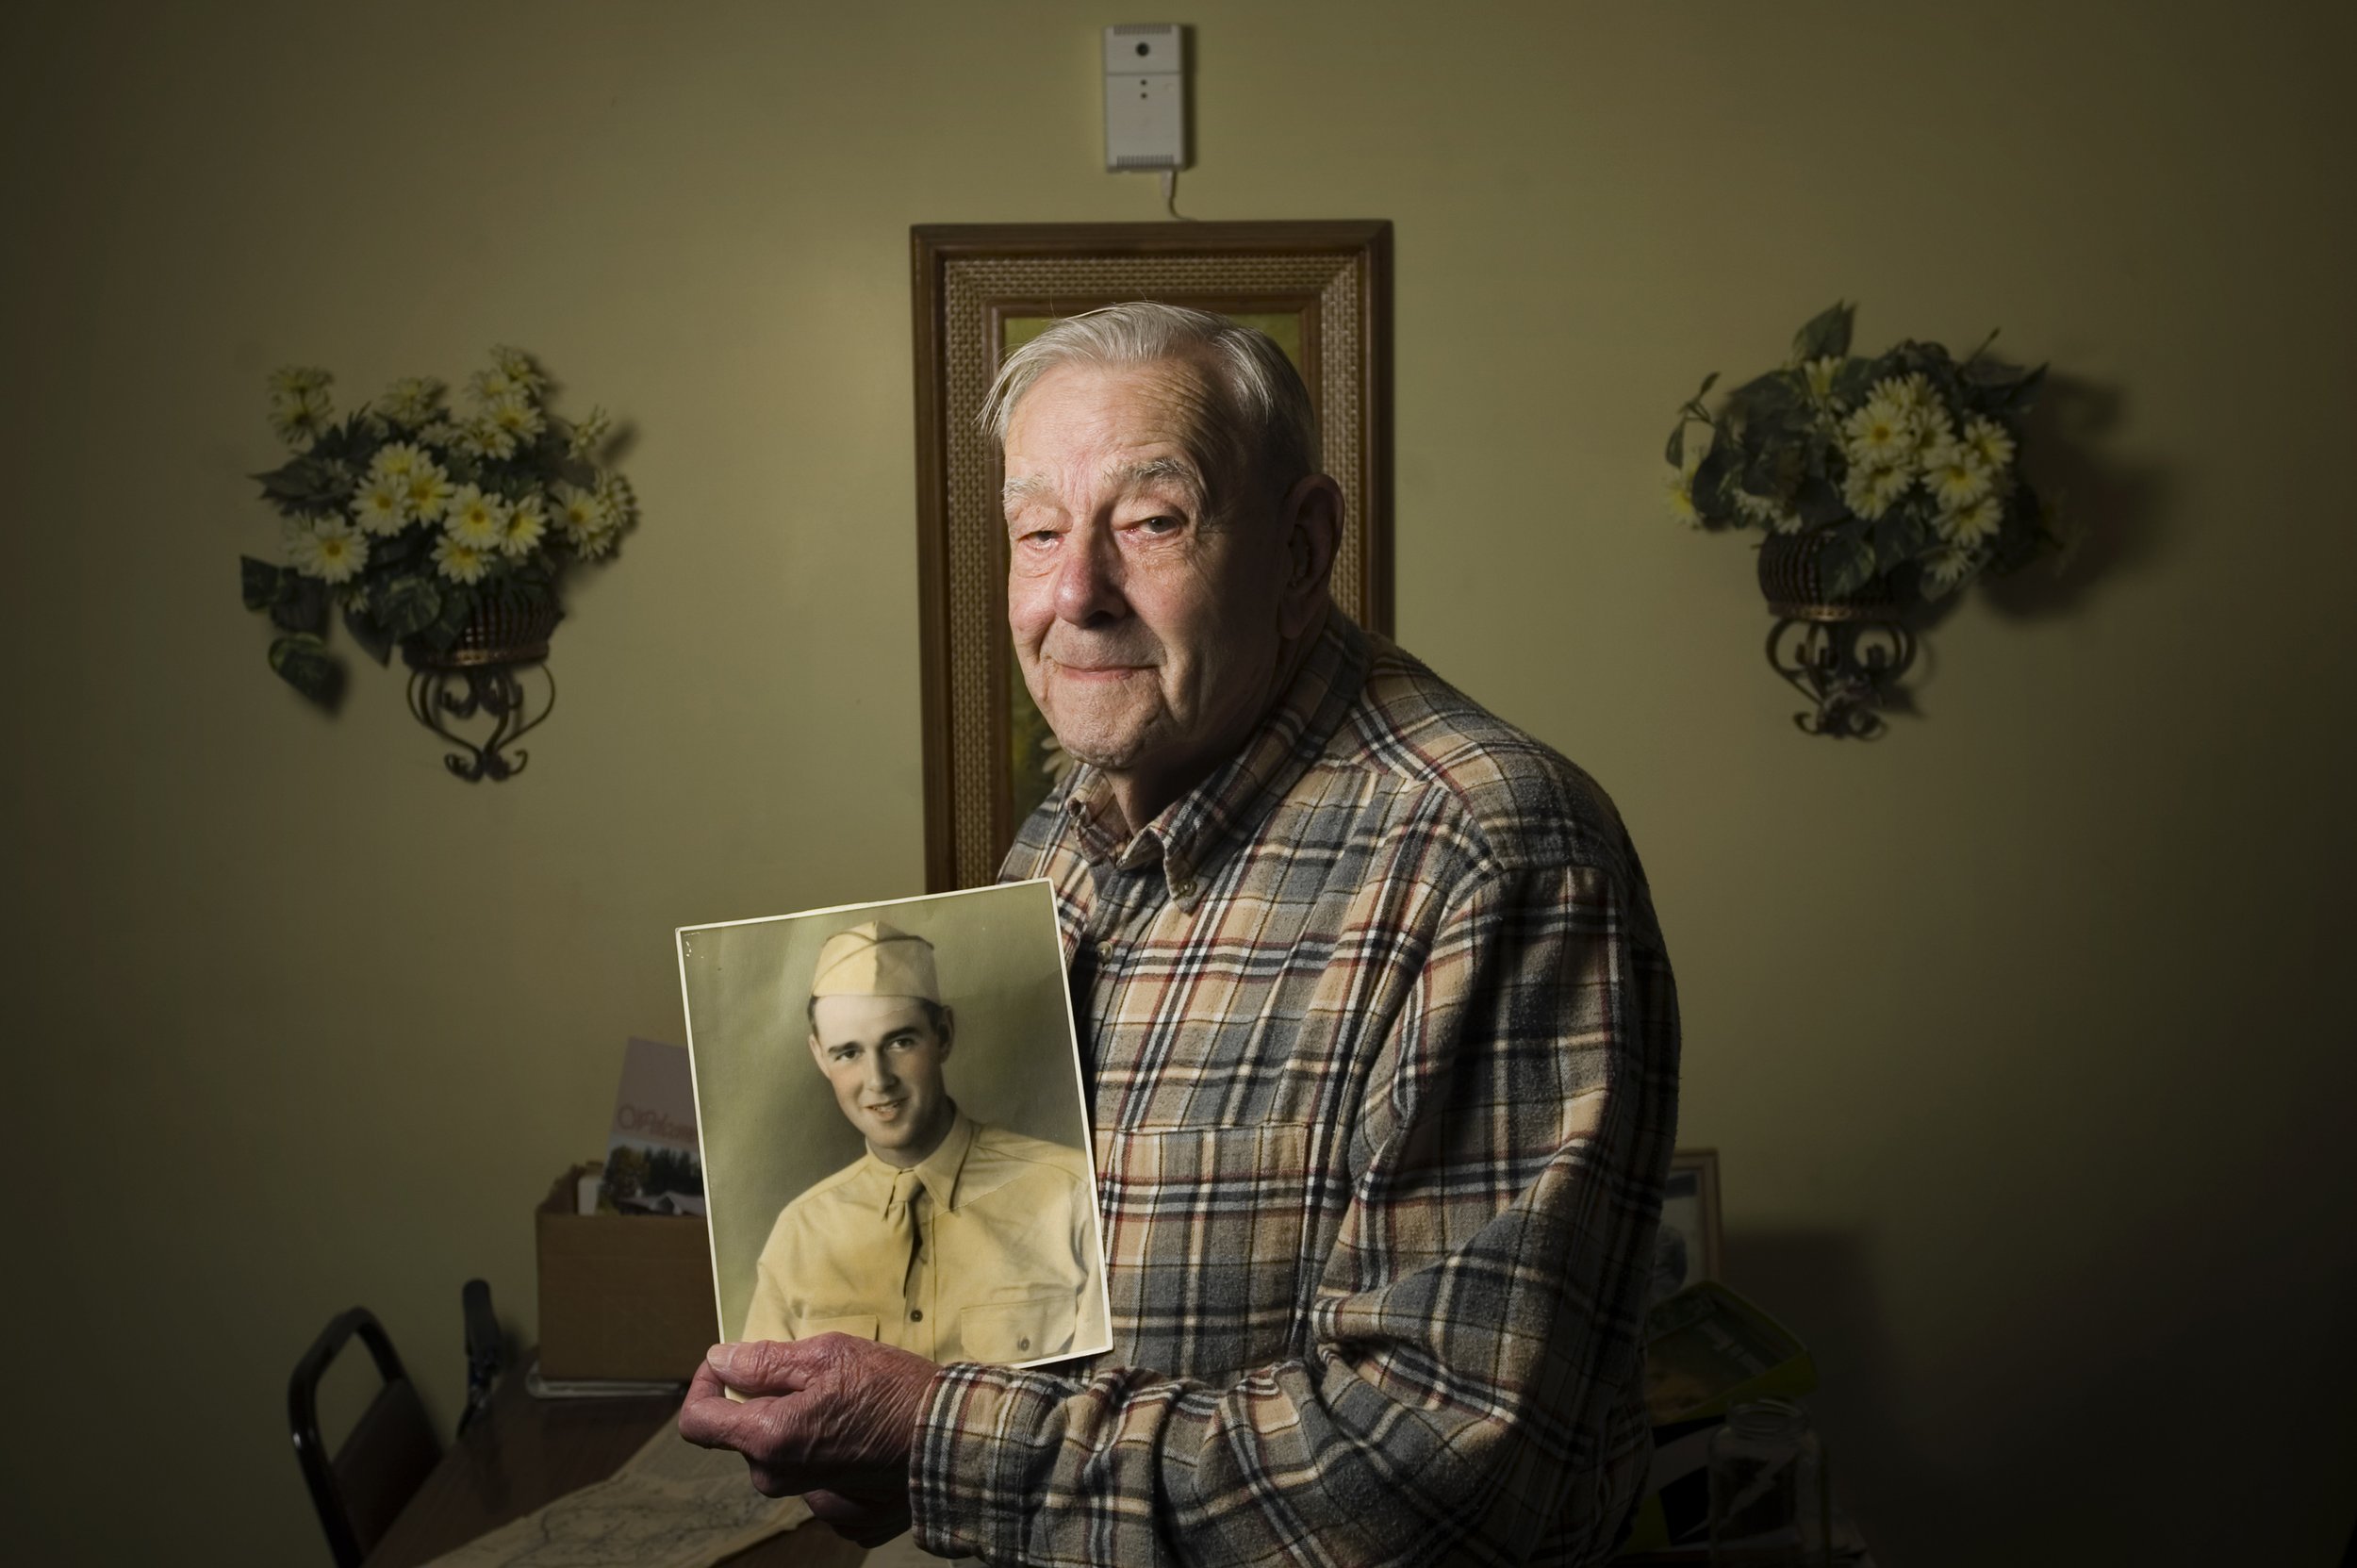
(873, 958)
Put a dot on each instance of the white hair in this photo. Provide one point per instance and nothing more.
(1270, 430)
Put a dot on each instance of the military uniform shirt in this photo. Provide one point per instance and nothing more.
(985, 1250)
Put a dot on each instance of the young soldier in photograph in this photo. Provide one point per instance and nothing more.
(949, 1238)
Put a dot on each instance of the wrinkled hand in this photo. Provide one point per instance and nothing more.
(832, 1418)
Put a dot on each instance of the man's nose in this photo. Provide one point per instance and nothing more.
(1088, 579)
(879, 1074)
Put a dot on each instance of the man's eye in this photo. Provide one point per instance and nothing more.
(1162, 525)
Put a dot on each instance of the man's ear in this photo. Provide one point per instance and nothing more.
(1313, 531)
(816, 1055)
(948, 1030)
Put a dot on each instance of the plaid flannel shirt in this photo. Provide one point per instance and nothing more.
(1383, 1045)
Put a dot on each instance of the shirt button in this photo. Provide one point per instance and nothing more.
(916, 1314)
(1023, 1345)
(1183, 888)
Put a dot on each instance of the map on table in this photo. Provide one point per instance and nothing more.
(672, 1505)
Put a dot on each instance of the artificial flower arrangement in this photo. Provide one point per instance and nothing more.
(413, 516)
(1901, 471)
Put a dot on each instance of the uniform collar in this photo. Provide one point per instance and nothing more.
(938, 1172)
(1195, 831)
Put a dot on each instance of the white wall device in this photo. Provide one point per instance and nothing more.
(1146, 96)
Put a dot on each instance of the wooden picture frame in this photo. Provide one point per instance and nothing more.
(1324, 288)
(1688, 1243)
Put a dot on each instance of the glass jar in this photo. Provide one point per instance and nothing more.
(1768, 1508)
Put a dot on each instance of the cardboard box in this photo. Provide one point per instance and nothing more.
(621, 1295)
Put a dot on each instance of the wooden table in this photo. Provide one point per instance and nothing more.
(523, 1453)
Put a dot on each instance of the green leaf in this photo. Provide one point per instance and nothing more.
(1847, 561)
(258, 582)
(303, 664)
(1712, 476)
(1674, 453)
(1708, 382)
(456, 607)
(1819, 501)
(1827, 334)
(376, 642)
(407, 605)
(299, 605)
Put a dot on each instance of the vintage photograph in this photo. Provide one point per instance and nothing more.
(894, 1137)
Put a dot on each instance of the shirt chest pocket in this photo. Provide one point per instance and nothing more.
(1029, 1330)
(1203, 1243)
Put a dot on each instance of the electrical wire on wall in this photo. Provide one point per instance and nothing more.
(1170, 196)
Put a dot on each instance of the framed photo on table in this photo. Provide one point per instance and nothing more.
(1321, 289)
(1686, 1249)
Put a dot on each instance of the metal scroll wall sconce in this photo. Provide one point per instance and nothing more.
(489, 672)
(1846, 653)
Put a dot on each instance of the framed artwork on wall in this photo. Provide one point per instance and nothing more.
(1321, 289)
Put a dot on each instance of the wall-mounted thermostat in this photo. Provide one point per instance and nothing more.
(1146, 96)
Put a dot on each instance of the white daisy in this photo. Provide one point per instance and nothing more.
(295, 380)
(1945, 566)
(511, 412)
(526, 523)
(486, 384)
(1820, 374)
(1871, 493)
(297, 418)
(1679, 490)
(302, 547)
(411, 401)
(1974, 523)
(396, 460)
(517, 366)
(482, 438)
(1879, 436)
(1933, 429)
(459, 561)
(1907, 394)
(339, 551)
(1955, 476)
(441, 432)
(589, 434)
(475, 518)
(621, 504)
(1992, 442)
(1766, 512)
(427, 491)
(580, 514)
(601, 543)
(381, 506)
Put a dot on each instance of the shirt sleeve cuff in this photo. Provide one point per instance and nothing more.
(985, 1445)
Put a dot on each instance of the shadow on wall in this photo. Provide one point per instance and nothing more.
(2109, 512)
(1817, 1285)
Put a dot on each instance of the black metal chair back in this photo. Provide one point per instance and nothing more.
(385, 1458)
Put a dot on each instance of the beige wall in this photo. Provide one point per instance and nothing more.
(2017, 1031)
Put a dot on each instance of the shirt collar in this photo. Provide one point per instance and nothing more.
(938, 1172)
(1195, 831)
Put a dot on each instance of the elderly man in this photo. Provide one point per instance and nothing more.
(1384, 1045)
(949, 1238)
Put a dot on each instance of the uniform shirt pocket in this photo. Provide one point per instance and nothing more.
(1026, 1329)
(859, 1325)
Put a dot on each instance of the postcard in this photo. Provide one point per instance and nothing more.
(652, 1162)
(895, 1133)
